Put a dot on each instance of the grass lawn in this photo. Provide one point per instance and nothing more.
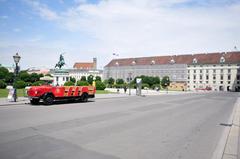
(102, 92)
(4, 93)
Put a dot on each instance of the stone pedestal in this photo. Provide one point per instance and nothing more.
(60, 76)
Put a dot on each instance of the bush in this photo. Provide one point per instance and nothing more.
(69, 83)
(82, 83)
(145, 85)
(100, 85)
(3, 84)
(156, 86)
(19, 84)
(38, 83)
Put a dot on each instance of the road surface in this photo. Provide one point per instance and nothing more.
(187, 126)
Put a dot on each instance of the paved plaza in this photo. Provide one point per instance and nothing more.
(188, 126)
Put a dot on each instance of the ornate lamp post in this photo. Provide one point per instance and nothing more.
(16, 60)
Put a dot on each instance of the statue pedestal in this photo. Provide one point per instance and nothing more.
(60, 76)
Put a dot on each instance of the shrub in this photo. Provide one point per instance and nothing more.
(145, 85)
(156, 86)
(100, 85)
(69, 83)
(3, 84)
(19, 84)
(82, 83)
(38, 83)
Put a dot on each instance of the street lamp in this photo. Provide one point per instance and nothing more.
(16, 60)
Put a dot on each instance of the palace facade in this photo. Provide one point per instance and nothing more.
(218, 71)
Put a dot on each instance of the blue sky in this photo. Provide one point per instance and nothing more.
(41, 29)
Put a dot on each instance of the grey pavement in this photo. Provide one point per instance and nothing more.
(187, 126)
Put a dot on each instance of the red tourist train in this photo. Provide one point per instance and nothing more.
(48, 94)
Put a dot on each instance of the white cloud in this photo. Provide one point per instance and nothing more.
(42, 10)
(139, 27)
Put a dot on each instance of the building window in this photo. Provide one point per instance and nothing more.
(229, 77)
(200, 71)
(63, 78)
(238, 82)
(56, 78)
(194, 77)
(194, 86)
(214, 71)
(200, 81)
(214, 82)
(194, 81)
(214, 65)
(214, 77)
(200, 77)
(188, 77)
(221, 77)
(221, 82)
(221, 70)
(229, 70)
(206, 71)
(238, 77)
(194, 71)
(206, 81)
(188, 71)
(67, 78)
(229, 82)
(206, 77)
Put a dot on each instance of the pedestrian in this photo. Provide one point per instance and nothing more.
(125, 89)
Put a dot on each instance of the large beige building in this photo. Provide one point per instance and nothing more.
(218, 71)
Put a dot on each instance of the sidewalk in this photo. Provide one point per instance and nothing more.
(20, 100)
(114, 94)
(24, 100)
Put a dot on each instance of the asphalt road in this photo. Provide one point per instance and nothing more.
(154, 127)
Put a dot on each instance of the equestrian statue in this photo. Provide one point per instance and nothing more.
(61, 62)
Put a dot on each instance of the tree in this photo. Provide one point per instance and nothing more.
(119, 81)
(38, 83)
(9, 78)
(3, 85)
(24, 76)
(3, 72)
(90, 79)
(72, 79)
(19, 84)
(165, 81)
(100, 85)
(34, 77)
(98, 78)
(83, 78)
(82, 83)
(69, 83)
(111, 81)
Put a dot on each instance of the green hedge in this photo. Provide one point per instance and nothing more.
(82, 83)
(19, 84)
(69, 83)
(100, 85)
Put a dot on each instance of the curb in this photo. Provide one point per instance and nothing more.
(227, 147)
(231, 147)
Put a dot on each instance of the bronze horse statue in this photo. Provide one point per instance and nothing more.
(61, 62)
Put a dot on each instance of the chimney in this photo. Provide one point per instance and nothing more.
(94, 63)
